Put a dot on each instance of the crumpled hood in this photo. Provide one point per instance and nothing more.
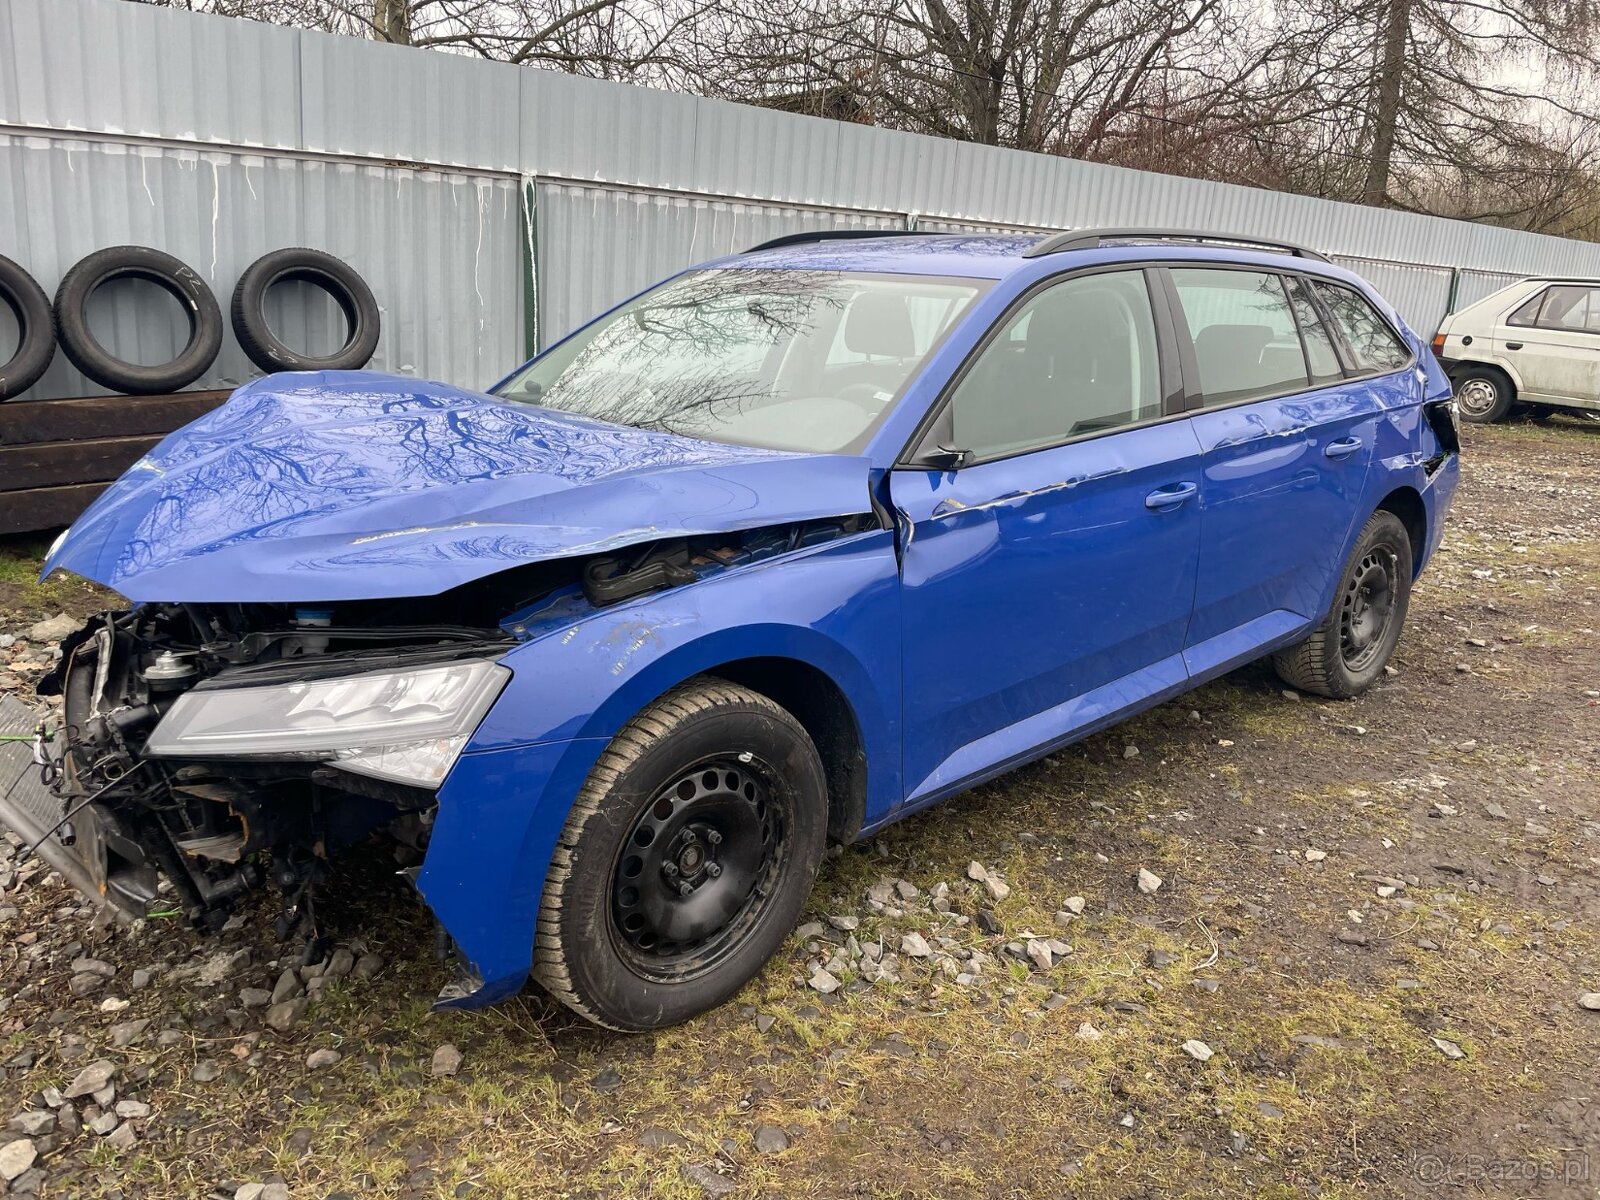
(347, 485)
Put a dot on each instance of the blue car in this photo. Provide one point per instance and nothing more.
(781, 550)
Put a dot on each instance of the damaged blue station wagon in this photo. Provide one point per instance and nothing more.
(783, 549)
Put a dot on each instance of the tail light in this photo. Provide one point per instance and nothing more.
(1441, 417)
(1438, 345)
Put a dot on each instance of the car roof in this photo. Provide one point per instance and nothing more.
(998, 255)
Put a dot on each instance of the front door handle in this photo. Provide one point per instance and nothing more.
(1343, 447)
(1169, 497)
(1513, 345)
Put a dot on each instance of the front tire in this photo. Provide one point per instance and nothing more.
(1347, 652)
(1483, 395)
(686, 859)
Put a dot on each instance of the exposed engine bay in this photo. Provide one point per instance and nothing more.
(226, 747)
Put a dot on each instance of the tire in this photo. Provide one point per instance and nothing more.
(1347, 651)
(616, 943)
(349, 291)
(1484, 395)
(36, 340)
(167, 273)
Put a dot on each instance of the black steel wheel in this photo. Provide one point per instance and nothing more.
(1367, 610)
(685, 861)
(1346, 653)
(696, 872)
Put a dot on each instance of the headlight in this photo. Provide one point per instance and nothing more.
(405, 725)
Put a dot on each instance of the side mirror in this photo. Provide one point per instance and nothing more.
(944, 458)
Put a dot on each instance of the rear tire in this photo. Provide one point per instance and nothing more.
(1484, 395)
(686, 859)
(1347, 652)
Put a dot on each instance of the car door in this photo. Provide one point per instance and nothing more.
(1285, 439)
(1553, 341)
(1049, 532)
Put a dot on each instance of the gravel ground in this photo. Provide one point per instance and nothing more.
(1249, 944)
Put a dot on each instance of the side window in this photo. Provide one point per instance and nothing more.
(1376, 347)
(1246, 343)
(1320, 354)
(1079, 357)
(1527, 313)
(1570, 306)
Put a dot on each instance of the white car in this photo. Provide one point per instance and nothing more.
(1534, 344)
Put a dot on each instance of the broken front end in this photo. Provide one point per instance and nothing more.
(206, 751)
(222, 746)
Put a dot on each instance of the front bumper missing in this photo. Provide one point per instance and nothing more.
(30, 810)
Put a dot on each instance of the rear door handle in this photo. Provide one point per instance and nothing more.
(1169, 497)
(1343, 447)
(1513, 345)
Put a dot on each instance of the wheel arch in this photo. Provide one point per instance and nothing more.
(1483, 364)
(1405, 502)
(813, 698)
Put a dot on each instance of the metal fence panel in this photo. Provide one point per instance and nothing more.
(1420, 294)
(149, 116)
(1475, 285)
(374, 100)
(610, 243)
(590, 130)
(450, 303)
(133, 69)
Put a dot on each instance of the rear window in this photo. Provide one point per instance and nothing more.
(1246, 342)
(1372, 343)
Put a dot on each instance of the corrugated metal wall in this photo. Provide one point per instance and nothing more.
(441, 250)
(217, 140)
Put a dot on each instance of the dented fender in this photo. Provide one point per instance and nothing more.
(506, 800)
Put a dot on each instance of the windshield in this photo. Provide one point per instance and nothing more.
(777, 358)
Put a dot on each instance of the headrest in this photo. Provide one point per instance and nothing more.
(879, 323)
(1219, 343)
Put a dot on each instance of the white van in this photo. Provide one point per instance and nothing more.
(1534, 344)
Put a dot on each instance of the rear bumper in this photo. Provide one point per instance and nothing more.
(1437, 493)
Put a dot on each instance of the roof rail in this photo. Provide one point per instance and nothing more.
(1092, 239)
(828, 235)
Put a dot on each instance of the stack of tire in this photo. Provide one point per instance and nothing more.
(41, 325)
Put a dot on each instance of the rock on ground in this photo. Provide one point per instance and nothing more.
(91, 1079)
(446, 1061)
(710, 1182)
(16, 1157)
(770, 1139)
